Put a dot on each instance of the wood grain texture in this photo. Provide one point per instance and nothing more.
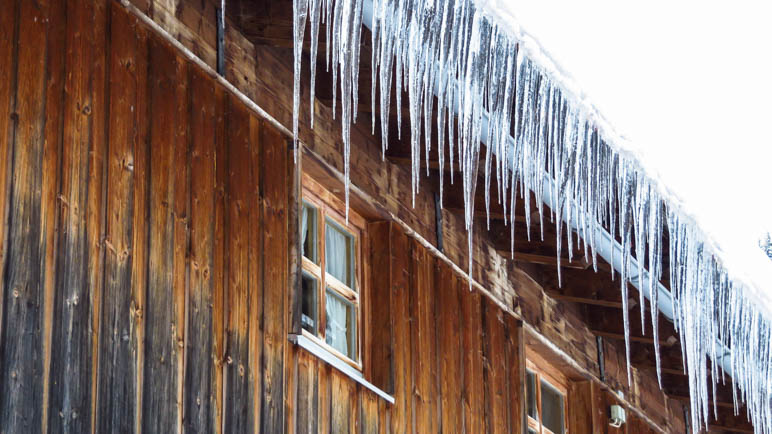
(239, 178)
(21, 383)
(199, 386)
(495, 369)
(450, 349)
(403, 379)
(580, 420)
(167, 223)
(515, 373)
(422, 339)
(380, 319)
(125, 240)
(473, 398)
(274, 318)
(80, 220)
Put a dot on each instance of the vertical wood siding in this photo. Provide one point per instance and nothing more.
(135, 199)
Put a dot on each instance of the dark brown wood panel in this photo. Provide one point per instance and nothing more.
(423, 339)
(79, 247)
(403, 379)
(120, 332)
(274, 317)
(199, 397)
(472, 338)
(21, 372)
(167, 242)
(449, 291)
(239, 368)
(495, 368)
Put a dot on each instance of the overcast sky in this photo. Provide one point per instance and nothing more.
(689, 82)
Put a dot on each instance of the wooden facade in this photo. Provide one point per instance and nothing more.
(149, 252)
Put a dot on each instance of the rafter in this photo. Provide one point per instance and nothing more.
(672, 340)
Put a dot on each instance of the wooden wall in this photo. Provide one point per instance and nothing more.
(137, 198)
(145, 253)
(264, 74)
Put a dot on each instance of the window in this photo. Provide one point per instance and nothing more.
(331, 273)
(545, 399)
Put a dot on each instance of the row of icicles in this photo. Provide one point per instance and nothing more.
(538, 137)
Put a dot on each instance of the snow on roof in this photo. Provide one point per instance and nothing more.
(490, 79)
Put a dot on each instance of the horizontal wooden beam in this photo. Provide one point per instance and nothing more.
(670, 371)
(669, 342)
(547, 260)
(721, 428)
(433, 164)
(682, 398)
(494, 215)
(557, 295)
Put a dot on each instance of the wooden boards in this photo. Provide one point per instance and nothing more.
(145, 250)
(135, 193)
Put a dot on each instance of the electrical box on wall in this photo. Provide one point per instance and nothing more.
(617, 417)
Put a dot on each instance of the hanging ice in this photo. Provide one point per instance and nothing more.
(495, 86)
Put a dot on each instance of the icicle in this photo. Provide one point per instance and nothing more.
(541, 140)
(300, 9)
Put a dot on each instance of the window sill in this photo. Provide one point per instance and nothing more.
(315, 349)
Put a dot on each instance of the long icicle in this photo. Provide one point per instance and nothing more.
(496, 86)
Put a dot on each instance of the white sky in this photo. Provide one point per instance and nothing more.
(690, 83)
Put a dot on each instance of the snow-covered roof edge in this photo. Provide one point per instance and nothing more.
(480, 68)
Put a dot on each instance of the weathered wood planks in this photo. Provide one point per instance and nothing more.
(120, 332)
(78, 253)
(145, 249)
(24, 272)
(199, 385)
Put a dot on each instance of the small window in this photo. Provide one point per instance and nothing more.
(545, 399)
(331, 274)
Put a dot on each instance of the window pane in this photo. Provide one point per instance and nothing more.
(309, 284)
(530, 395)
(308, 232)
(341, 324)
(552, 408)
(339, 253)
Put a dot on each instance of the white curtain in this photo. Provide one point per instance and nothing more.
(304, 229)
(337, 316)
(336, 254)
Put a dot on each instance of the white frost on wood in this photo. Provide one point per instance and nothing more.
(494, 84)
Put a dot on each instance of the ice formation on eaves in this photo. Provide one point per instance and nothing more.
(492, 86)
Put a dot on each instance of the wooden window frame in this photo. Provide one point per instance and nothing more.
(330, 206)
(543, 371)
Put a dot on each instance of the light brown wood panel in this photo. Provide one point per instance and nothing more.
(400, 296)
(423, 339)
(24, 269)
(200, 398)
(473, 362)
(449, 290)
(580, 407)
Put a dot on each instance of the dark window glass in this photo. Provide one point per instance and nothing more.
(309, 302)
(530, 394)
(552, 408)
(308, 232)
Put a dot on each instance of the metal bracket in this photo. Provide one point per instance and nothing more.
(601, 359)
(438, 221)
(220, 41)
